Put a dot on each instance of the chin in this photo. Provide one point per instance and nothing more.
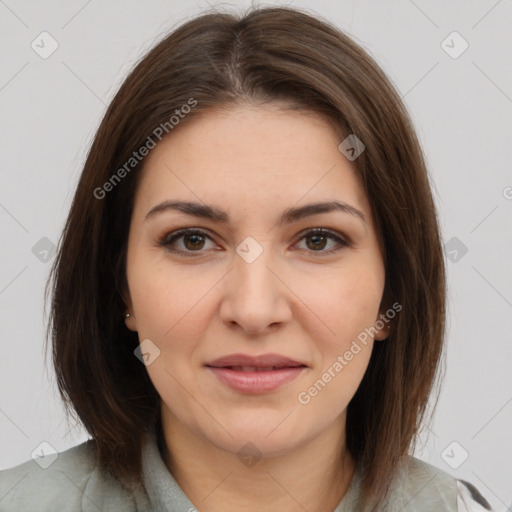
(270, 435)
(251, 444)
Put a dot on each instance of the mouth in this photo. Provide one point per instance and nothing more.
(255, 368)
(255, 374)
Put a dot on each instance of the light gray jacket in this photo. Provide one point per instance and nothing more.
(74, 482)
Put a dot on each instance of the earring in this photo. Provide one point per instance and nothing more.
(127, 315)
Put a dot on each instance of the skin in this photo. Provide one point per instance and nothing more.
(298, 298)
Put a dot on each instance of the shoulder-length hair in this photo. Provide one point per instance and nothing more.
(267, 55)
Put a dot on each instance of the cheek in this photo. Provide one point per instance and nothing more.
(346, 302)
(168, 301)
(173, 309)
(347, 306)
(331, 389)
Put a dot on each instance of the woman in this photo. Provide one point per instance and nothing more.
(249, 294)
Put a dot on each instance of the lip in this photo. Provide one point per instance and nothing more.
(255, 374)
(260, 361)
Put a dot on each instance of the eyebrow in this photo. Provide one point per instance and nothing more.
(289, 215)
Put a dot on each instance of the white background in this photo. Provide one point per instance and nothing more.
(462, 108)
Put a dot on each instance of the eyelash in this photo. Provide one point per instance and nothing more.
(172, 237)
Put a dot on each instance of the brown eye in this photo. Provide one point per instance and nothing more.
(187, 242)
(193, 242)
(317, 240)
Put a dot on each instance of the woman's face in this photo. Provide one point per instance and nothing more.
(252, 314)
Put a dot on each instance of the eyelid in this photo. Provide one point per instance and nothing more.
(324, 231)
(342, 240)
(175, 235)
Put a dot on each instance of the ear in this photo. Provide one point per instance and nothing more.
(131, 322)
(384, 321)
(129, 316)
(383, 326)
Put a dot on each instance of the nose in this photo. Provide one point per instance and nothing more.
(256, 298)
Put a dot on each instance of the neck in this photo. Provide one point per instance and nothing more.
(314, 476)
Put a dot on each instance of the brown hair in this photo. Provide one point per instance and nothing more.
(264, 56)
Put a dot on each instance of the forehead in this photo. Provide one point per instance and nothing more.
(250, 155)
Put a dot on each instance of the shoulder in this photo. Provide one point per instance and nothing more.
(422, 486)
(67, 481)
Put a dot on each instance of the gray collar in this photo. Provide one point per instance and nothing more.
(163, 494)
